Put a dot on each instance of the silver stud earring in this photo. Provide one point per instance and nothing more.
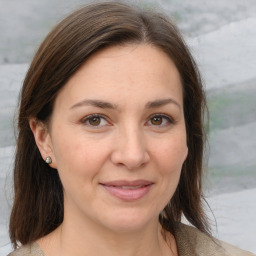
(48, 160)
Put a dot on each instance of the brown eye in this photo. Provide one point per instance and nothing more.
(157, 120)
(94, 121)
(160, 120)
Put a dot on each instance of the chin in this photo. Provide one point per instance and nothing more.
(130, 220)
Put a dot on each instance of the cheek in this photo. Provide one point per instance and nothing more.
(76, 154)
(170, 161)
(78, 167)
(172, 154)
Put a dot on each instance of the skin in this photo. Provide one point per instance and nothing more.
(139, 134)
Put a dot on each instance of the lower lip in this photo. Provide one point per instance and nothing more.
(128, 195)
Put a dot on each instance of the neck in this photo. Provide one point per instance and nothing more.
(74, 238)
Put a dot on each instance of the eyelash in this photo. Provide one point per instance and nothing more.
(90, 117)
(168, 118)
(86, 119)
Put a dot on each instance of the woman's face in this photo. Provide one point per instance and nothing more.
(118, 137)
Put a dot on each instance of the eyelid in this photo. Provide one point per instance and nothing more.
(169, 118)
(102, 116)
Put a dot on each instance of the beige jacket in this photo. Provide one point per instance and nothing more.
(190, 242)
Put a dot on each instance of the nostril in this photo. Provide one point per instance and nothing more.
(130, 161)
(130, 149)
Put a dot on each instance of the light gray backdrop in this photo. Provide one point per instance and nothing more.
(222, 37)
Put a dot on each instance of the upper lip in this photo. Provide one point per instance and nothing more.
(120, 183)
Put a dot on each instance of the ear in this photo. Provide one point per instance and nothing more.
(42, 139)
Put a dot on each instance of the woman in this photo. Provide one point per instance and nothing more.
(110, 145)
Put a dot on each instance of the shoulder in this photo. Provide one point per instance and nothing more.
(191, 241)
(28, 250)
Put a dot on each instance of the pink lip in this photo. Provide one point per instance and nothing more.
(128, 190)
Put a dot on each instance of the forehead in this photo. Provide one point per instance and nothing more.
(122, 72)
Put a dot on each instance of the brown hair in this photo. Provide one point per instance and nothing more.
(38, 201)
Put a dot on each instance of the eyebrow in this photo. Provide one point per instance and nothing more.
(107, 105)
(162, 102)
(95, 103)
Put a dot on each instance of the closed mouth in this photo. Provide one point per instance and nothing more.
(125, 184)
(128, 190)
(129, 187)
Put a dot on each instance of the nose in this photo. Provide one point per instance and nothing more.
(130, 149)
